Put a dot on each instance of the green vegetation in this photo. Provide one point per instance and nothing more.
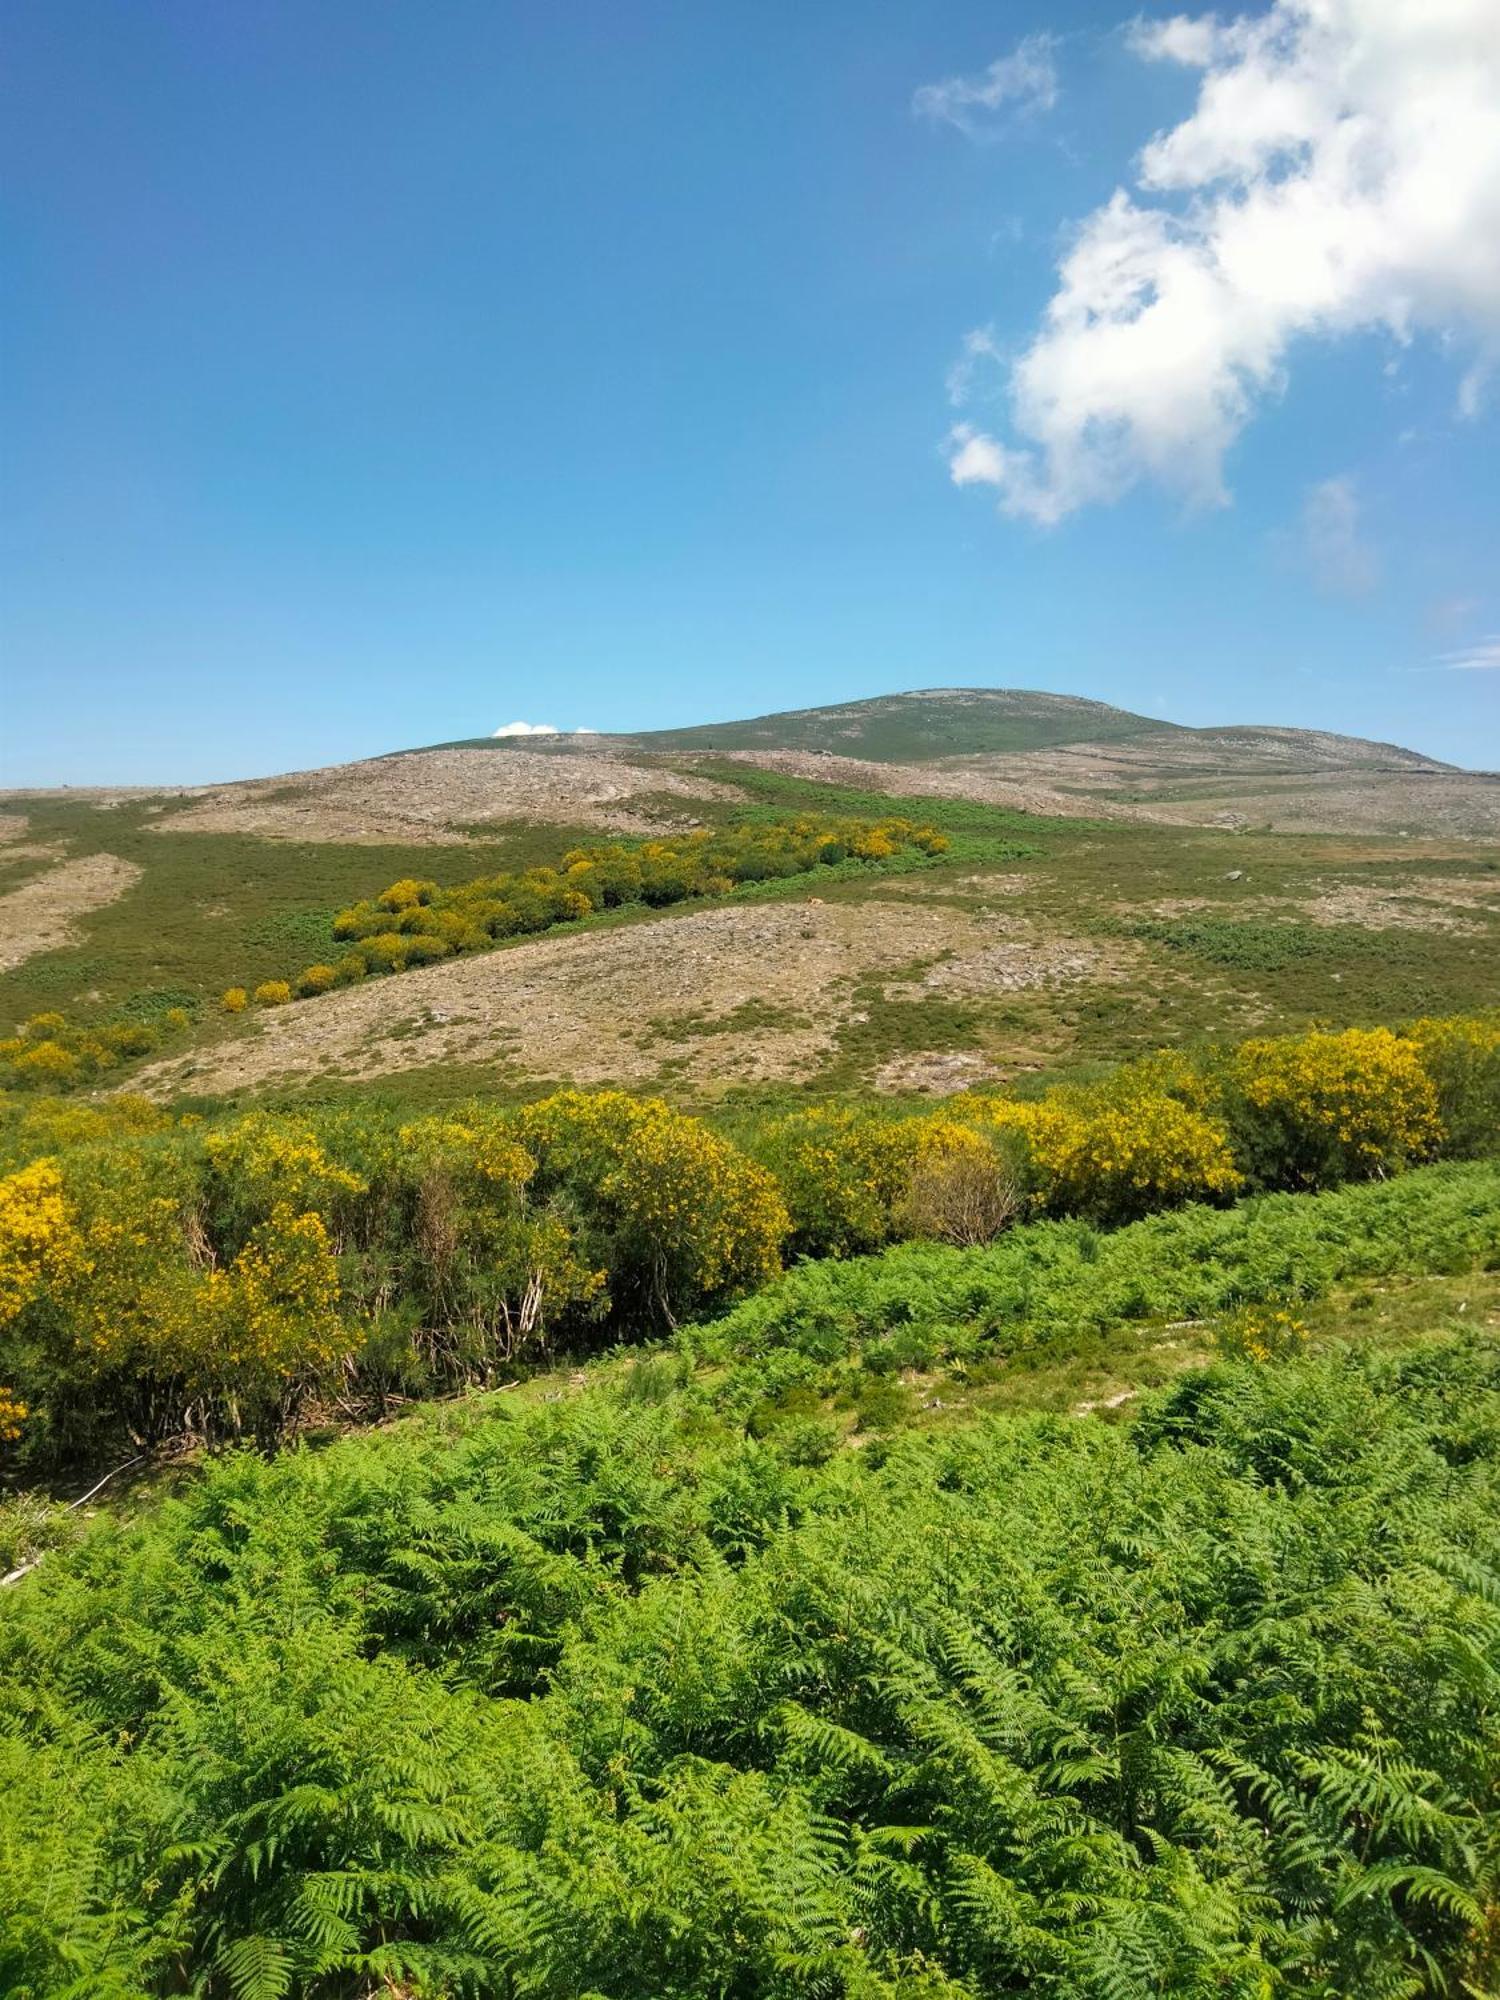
(917, 728)
(213, 907)
(213, 911)
(1257, 947)
(50, 1053)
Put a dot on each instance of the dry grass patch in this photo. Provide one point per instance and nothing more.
(40, 914)
(739, 993)
(439, 794)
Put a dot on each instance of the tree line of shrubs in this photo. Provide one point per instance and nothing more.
(160, 1276)
(50, 1053)
(417, 922)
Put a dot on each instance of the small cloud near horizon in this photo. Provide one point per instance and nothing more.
(538, 729)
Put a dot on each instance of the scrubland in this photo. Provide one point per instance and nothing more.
(747, 1527)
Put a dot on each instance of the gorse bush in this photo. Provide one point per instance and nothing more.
(607, 1698)
(682, 1217)
(212, 1279)
(1312, 1110)
(1118, 1150)
(1461, 1057)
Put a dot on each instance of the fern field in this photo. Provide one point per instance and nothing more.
(626, 1695)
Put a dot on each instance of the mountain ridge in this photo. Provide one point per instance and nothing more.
(938, 724)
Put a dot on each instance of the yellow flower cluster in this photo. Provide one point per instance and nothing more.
(841, 1173)
(51, 1054)
(695, 1216)
(33, 1223)
(1116, 1153)
(13, 1415)
(1263, 1333)
(273, 1315)
(1339, 1106)
(270, 1160)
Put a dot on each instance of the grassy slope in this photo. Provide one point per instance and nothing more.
(903, 728)
(212, 909)
(914, 729)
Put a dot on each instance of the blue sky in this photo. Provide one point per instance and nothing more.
(374, 374)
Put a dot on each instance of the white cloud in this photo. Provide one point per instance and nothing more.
(1339, 172)
(1336, 551)
(1482, 657)
(1024, 81)
(1472, 391)
(527, 729)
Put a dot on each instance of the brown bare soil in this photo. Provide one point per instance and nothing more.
(619, 1006)
(1250, 786)
(1289, 781)
(937, 1072)
(39, 915)
(1425, 903)
(440, 794)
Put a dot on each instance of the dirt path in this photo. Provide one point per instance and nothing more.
(39, 915)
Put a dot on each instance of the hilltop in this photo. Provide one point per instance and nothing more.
(931, 725)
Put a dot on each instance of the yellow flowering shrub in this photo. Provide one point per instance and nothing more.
(33, 1225)
(681, 1217)
(1112, 1154)
(123, 1307)
(493, 1269)
(48, 1064)
(1312, 1110)
(840, 1173)
(407, 894)
(316, 979)
(234, 1000)
(49, 1053)
(1461, 1056)
(31, 1128)
(268, 1326)
(261, 1161)
(960, 1186)
(13, 1415)
(1262, 1333)
(272, 993)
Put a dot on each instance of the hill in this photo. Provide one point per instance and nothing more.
(919, 727)
(928, 725)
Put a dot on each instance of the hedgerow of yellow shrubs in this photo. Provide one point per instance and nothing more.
(159, 1274)
(1114, 1154)
(50, 1053)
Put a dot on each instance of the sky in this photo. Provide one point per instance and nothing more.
(376, 373)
